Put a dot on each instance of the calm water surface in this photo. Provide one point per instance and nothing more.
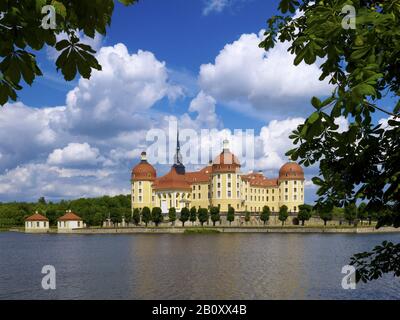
(228, 266)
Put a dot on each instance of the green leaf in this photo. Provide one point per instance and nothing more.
(313, 118)
(316, 103)
(60, 8)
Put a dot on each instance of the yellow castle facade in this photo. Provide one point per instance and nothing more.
(220, 184)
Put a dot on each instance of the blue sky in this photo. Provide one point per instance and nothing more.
(177, 32)
(196, 62)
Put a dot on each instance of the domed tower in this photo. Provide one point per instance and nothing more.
(225, 180)
(291, 186)
(143, 176)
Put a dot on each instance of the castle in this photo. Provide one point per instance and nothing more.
(219, 184)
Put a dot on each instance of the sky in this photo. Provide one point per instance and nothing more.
(195, 62)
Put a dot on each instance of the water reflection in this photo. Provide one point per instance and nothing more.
(229, 266)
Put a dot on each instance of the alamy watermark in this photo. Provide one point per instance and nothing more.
(349, 21)
(49, 280)
(349, 280)
(49, 20)
(198, 147)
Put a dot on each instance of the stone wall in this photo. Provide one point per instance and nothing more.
(177, 230)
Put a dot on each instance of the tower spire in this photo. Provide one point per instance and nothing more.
(178, 163)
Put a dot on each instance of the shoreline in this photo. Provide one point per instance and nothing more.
(216, 230)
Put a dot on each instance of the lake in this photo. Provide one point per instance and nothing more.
(180, 266)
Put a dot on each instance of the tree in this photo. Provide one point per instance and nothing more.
(247, 216)
(98, 219)
(157, 216)
(184, 215)
(231, 215)
(24, 29)
(136, 216)
(326, 215)
(362, 213)
(116, 217)
(193, 215)
(203, 215)
(215, 216)
(361, 63)
(265, 214)
(283, 214)
(372, 215)
(146, 215)
(172, 215)
(350, 212)
(305, 212)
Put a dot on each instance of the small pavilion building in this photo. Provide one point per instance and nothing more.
(69, 221)
(36, 223)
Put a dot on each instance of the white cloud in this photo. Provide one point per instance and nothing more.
(204, 105)
(215, 6)
(118, 97)
(27, 132)
(275, 140)
(260, 83)
(75, 154)
(31, 181)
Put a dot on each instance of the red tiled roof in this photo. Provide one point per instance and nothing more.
(291, 171)
(70, 216)
(259, 180)
(201, 176)
(172, 181)
(36, 217)
(144, 171)
(225, 162)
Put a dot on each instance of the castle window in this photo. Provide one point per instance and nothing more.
(229, 175)
(295, 198)
(295, 183)
(194, 196)
(194, 187)
(219, 185)
(294, 208)
(238, 194)
(219, 194)
(273, 198)
(199, 195)
(286, 198)
(286, 190)
(267, 199)
(140, 183)
(295, 189)
(140, 198)
(229, 194)
(140, 190)
(229, 185)
(199, 187)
